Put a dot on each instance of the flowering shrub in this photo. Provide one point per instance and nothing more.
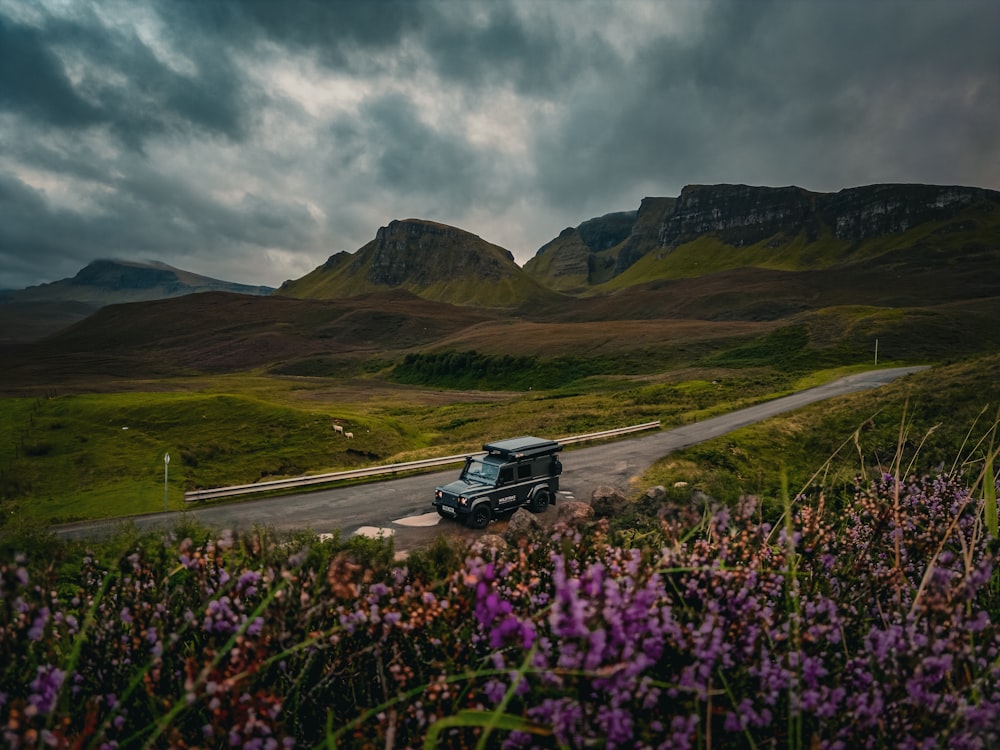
(872, 627)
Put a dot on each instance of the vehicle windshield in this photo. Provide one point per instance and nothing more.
(480, 472)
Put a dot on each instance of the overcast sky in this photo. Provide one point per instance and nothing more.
(251, 140)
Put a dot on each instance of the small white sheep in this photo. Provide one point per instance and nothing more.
(338, 427)
(348, 434)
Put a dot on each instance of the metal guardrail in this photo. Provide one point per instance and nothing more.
(371, 471)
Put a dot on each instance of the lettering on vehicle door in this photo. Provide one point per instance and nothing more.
(507, 499)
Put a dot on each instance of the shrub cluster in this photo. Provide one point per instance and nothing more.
(472, 369)
(874, 628)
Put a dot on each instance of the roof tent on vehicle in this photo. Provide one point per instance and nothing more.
(522, 447)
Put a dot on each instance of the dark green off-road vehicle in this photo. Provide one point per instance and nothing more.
(513, 473)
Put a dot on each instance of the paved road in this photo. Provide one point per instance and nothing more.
(382, 505)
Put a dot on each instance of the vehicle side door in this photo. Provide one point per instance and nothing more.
(506, 493)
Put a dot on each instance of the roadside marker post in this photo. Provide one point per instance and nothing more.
(166, 471)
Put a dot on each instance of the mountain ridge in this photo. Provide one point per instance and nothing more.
(36, 311)
(768, 256)
(741, 215)
(111, 280)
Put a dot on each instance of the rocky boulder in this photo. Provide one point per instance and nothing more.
(573, 512)
(522, 525)
(607, 501)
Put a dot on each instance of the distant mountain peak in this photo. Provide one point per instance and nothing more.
(430, 259)
(109, 280)
(424, 252)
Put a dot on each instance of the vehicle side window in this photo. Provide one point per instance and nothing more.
(506, 474)
(523, 471)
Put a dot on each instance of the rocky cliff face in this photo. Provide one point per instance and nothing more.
(575, 258)
(431, 260)
(743, 215)
(645, 233)
(425, 252)
(606, 231)
(863, 213)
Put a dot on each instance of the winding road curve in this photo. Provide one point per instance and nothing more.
(403, 506)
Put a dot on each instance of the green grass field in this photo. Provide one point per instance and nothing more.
(80, 456)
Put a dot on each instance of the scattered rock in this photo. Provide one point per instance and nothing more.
(522, 524)
(607, 501)
(573, 512)
(656, 493)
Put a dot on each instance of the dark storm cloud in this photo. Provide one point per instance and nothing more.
(821, 94)
(409, 155)
(537, 56)
(343, 33)
(33, 80)
(252, 139)
(122, 84)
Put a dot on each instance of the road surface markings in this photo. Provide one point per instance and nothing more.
(426, 519)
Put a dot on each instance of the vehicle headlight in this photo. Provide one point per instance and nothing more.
(463, 500)
(439, 494)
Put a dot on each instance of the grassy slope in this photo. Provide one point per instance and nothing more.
(550, 266)
(507, 292)
(937, 417)
(709, 255)
(71, 457)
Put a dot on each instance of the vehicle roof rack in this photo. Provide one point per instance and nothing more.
(522, 447)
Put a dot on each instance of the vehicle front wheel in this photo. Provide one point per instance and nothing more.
(481, 516)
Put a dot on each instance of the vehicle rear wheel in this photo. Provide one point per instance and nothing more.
(481, 516)
(539, 502)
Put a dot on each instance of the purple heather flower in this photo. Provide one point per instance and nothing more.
(495, 691)
(45, 688)
(37, 630)
(247, 582)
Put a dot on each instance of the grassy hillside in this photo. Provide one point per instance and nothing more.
(506, 292)
(942, 419)
(92, 455)
(218, 332)
(102, 455)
